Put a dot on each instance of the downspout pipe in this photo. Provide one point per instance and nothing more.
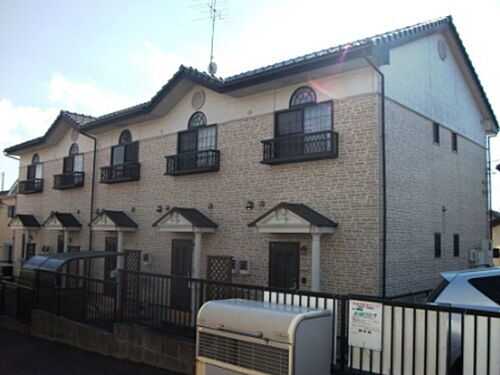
(488, 186)
(92, 190)
(384, 176)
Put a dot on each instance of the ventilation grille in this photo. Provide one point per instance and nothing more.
(264, 358)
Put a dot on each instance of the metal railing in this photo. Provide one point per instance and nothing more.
(68, 180)
(171, 303)
(300, 147)
(77, 298)
(413, 297)
(121, 173)
(31, 186)
(193, 162)
(17, 301)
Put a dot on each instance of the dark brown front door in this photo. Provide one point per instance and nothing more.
(284, 265)
(182, 258)
(30, 250)
(110, 244)
(60, 244)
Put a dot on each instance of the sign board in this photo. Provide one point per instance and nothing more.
(365, 324)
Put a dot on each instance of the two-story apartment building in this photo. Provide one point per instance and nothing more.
(361, 168)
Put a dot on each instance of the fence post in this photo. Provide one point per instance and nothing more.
(58, 298)
(343, 334)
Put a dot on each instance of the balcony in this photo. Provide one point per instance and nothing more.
(193, 162)
(301, 147)
(121, 173)
(34, 185)
(68, 180)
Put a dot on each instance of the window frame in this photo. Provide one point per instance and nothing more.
(438, 248)
(436, 136)
(11, 211)
(456, 244)
(195, 131)
(301, 108)
(454, 142)
(296, 91)
(125, 147)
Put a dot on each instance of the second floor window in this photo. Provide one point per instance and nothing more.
(126, 151)
(305, 115)
(34, 169)
(198, 137)
(73, 162)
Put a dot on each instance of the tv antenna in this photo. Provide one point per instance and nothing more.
(214, 10)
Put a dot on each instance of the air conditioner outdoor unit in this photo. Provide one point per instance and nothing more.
(146, 259)
(477, 257)
(249, 337)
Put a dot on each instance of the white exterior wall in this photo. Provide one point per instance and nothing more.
(420, 80)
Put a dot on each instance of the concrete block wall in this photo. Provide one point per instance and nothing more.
(125, 342)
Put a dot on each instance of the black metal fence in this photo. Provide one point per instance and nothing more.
(414, 297)
(297, 147)
(121, 172)
(34, 185)
(17, 301)
(68, 180)
(77, 298)
(171, 303)
(193, 162)
(415, 338)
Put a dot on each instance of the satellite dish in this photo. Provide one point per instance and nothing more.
(212, 68)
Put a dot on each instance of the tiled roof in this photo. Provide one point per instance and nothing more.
(120, 218)
(305, 212)
(76, 118)
(192, 215)
(287, 67)
(67, 220)
(28, 221)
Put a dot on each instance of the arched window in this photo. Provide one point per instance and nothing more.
(73, 162)
(125, 137)
(73, 150)
(35, 168)
(126, 151)
(196, 120)
(303, 95)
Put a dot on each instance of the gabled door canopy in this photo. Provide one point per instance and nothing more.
(113, 221)
(185, 220)
(293, 218)
(28, 222)
(62, 222)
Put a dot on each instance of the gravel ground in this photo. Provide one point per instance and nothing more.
(24, 355)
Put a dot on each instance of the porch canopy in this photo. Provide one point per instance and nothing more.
(114, 221)
(25, 222)
(187, 220)
(294, 218)
(62, 222)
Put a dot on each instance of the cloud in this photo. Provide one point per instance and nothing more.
(86, 97)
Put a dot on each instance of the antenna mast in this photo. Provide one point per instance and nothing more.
(215, 13)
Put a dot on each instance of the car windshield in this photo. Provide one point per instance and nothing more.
(436, 292)
(489, 286)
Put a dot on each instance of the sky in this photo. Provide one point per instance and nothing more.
(98, 56)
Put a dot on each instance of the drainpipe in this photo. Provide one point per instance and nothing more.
(488, 186)
(384, 175)
(92, 190)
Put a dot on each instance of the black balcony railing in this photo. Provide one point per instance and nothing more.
(68, 180)
(121, 173)
(31, 186)
(193, 162)
(301, 147)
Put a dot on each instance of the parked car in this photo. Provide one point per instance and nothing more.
(477, 289)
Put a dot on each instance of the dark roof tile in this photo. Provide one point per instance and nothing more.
(192, 215)
(305, 212)
(120, 218)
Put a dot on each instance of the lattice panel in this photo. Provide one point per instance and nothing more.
(219, 269)
(133, 260)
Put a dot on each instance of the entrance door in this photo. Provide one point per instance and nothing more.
(110, 244)
(182, 258)
(60, 244)
(284, 265)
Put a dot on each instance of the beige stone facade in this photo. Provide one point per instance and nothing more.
(6, 236)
